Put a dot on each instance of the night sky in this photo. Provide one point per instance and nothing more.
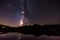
(39, 11)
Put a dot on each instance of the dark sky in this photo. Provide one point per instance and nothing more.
(39, 11)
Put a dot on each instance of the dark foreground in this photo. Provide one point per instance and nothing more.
(36, 30)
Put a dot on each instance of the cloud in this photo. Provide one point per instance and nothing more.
(20, 36)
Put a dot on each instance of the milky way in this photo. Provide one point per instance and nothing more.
(39, 11)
